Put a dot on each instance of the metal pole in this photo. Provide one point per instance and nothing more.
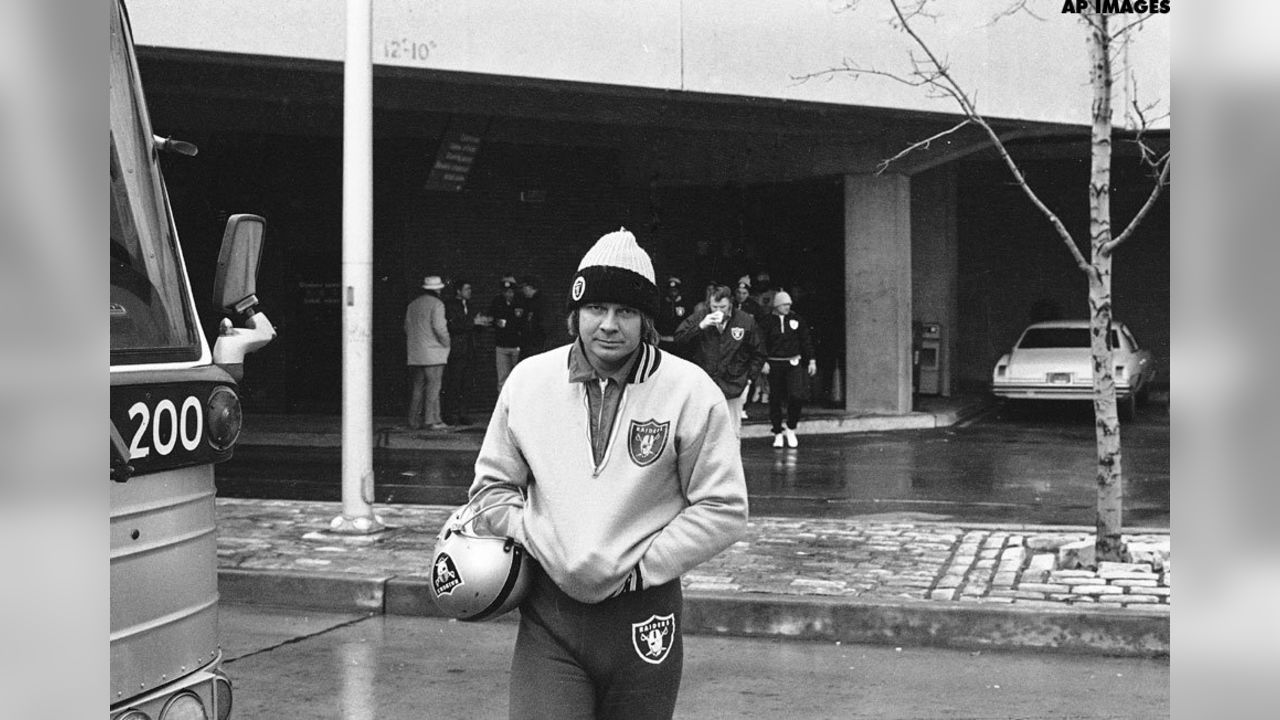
(357, 275)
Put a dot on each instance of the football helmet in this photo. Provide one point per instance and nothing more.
(474, 575)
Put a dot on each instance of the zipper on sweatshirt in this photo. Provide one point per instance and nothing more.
(613, 432)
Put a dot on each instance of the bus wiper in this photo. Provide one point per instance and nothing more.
(121, 470)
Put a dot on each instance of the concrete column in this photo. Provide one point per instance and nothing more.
(935, 259)
(877, 229)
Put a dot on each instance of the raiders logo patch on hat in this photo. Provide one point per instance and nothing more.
(579, 288)
(646, 440)
(653, 638)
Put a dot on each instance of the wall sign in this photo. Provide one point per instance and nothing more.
(453, 161)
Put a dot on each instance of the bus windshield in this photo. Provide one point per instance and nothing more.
(151, 320)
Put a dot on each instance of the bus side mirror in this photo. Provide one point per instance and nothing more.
(235, 283)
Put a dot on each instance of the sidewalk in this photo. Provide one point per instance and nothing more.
(391, 432)
(883, 579)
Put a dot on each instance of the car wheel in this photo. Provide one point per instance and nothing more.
(1144, 396)
(1127, 407)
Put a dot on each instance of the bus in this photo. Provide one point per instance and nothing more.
(175, 412)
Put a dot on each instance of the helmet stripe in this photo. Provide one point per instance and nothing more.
(517, 554)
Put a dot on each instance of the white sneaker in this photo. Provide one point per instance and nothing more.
(777, 440)
(792, 440)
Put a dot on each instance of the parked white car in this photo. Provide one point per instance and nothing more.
(1052, 361)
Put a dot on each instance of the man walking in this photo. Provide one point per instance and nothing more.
(725, 343)
(620, 472)
(790, 364)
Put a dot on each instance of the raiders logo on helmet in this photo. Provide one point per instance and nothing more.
(477, 576)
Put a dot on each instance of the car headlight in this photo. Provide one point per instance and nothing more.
(134, 715)
(184, 706)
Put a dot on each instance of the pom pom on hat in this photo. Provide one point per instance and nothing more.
(616, 269)
(781, 298)
(619, 249)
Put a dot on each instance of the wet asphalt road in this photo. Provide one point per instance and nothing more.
(290, 664)
(1015, 463)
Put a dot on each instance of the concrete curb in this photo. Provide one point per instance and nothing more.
(336, 592)
(814, 618)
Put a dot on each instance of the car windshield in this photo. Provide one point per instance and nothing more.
(1060, 337)
(151, 319)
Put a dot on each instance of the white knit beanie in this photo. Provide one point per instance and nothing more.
(616, 269)
(781, 298)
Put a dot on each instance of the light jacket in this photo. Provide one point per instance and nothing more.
(668, 494)
(427, 333)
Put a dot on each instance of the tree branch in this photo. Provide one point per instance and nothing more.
(850, 69)
(884, 164)
(1141, 19)
(971, 112)
(1161, 181)
(1020, 6)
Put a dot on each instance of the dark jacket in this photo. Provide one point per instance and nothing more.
(506, 322)
(786, 336)
(731, 357)
(462, 327)
(670, 314)
(533, 326)
(750, 307)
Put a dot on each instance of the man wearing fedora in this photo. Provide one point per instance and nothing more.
(427, 345)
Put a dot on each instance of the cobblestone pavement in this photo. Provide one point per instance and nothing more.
(876, 559)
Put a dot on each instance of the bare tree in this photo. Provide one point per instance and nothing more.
(933, 75)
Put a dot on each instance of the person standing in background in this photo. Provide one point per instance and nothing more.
(761, 294)
(533, 330)
(427, 345)
(790, 363)
(743, 301)
(506, 315)
(463, 318)
(671, 312)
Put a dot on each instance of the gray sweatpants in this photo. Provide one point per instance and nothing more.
(620, 659)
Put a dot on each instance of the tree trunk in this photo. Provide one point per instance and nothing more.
(1109, 544)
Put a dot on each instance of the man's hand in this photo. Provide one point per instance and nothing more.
(813, 368)
(714, 318)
